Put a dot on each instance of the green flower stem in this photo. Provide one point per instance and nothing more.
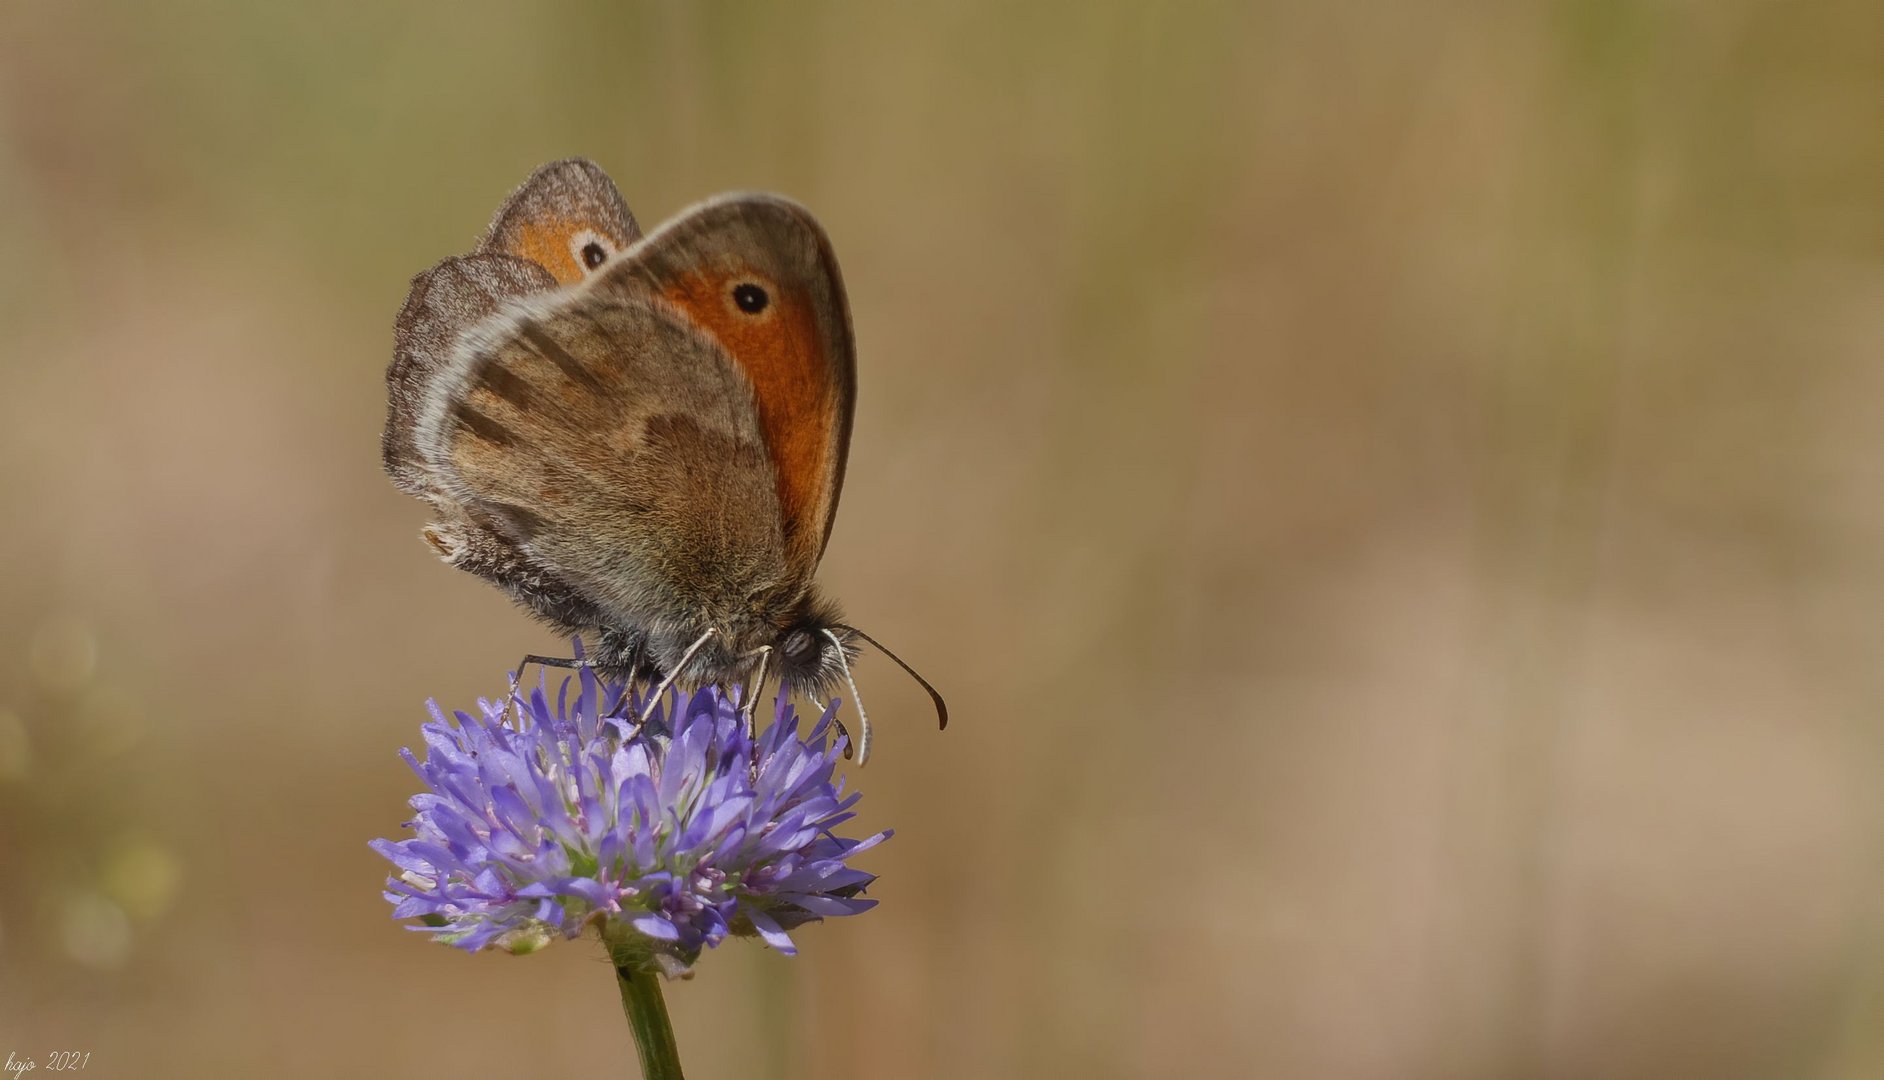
(646, 1010)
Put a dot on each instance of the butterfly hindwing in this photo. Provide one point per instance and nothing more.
(445, 303)
(559, 226)
(612, 443)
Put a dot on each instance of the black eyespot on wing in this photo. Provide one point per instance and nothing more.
(750, 298)
(593, 255)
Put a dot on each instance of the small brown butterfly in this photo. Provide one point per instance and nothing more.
(639, 437)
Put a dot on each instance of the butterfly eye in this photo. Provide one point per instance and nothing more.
(750, 298)
(593, 254)
(799, 647)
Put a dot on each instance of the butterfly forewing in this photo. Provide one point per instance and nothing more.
(568, 218)
(718, 262)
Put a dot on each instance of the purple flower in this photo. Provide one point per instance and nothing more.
(666, 837)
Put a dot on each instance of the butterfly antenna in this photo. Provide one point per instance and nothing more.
(863, 721)
(655, 698)
(941, 707)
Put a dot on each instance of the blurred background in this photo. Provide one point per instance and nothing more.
(1390, 490)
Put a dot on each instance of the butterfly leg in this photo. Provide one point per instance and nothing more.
(842, 731)
(625, 652)
(754, 690)
(516, 677)
(654, 698)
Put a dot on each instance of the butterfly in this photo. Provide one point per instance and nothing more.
(640, 438)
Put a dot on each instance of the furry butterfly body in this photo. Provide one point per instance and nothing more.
(640, 437)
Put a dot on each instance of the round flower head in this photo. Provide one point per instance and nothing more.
(666, 836)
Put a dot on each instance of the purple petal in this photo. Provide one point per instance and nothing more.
(772, 932)
(660, 829)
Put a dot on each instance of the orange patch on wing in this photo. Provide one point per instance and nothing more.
(781, 353)
(548, 246)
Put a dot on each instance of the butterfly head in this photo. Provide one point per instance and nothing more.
(814, 655)
(806, 645)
